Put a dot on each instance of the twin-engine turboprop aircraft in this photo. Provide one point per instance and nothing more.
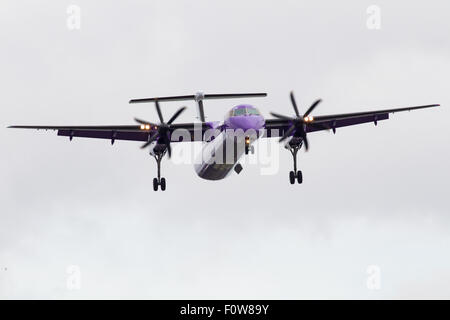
(232, 138)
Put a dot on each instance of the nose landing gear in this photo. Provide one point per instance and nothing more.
(249, 148)
(293, 147)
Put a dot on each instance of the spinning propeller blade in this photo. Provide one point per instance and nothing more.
(298, 126)
(313, 106)
(162, 130)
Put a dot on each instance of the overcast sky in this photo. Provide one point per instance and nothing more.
(372, 196)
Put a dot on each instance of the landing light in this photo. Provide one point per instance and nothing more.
(145, 127)
(308, 119)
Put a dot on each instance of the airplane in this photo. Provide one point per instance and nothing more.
(221, 136)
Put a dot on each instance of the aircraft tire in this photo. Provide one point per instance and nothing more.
(163, 184)
(299, 177)
(292, 177)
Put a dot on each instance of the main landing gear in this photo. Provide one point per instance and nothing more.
(158, 181)
(293, 147)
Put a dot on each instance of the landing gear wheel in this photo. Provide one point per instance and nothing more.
(292, 177)
(163, 184)
(299, 177)
(155, 184)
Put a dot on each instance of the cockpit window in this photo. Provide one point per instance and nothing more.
(245, 111)
(253, 111)
(239, 112)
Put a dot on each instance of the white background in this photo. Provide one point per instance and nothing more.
(371, 195)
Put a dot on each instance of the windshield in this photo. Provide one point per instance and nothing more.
(240, 112)
(253, 111)
(245, 111)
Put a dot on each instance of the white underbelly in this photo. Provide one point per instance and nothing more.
(219, 156)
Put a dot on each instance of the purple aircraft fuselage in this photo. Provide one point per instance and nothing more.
(241, 127)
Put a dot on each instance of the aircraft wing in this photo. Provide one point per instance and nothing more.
(124, 132)
(197, 130)
(331, 122)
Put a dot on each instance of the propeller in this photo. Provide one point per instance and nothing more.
(162, 133)
(298, 123)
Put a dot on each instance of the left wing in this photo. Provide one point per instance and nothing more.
(332, 122)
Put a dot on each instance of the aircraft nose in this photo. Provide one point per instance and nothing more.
(247, 122)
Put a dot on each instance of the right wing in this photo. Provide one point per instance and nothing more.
(123, 132)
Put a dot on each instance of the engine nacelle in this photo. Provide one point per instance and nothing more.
(156, 148)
